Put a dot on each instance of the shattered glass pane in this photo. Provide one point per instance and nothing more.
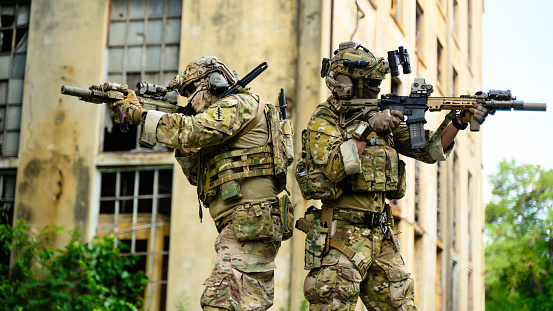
(8, 15)
(6, 40)
(21, 39)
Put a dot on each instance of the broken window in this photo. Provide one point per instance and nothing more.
(14, 28)
(135, 204)
(143, 46)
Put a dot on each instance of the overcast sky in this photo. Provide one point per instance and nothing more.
(517, 43)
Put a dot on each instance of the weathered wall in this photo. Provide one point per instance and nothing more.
(58, 134)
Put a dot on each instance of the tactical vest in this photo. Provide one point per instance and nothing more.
(382, 170)
(223, 167)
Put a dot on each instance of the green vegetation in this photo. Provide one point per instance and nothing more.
(78, 277)
(519, 244)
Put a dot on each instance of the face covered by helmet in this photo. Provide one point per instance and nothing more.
(202, 82)
(354, 72)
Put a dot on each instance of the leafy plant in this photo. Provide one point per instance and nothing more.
(519, 247)
(78, 277)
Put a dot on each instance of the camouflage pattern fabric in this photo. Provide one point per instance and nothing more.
(243, 276)
(337, 284)
(216, 124)
(380, 164)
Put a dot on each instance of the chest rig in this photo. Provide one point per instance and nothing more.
(381, 168)
(222, 168)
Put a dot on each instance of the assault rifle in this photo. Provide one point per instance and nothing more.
(419, 101)
(150, 96)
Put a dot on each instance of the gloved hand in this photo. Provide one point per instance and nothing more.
(127, 111)
(384, 122)
(478, 111)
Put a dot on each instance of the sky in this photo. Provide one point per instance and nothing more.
(517, 54)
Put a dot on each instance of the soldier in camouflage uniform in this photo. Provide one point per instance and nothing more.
(230, 148)
(351, 251)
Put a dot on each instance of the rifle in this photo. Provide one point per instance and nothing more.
(419, 101)
(150, 96)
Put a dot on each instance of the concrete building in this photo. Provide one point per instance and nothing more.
(63, 161)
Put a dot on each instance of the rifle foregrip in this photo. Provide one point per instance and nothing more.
(474, 125)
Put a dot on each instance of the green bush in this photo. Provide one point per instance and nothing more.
(80, 277)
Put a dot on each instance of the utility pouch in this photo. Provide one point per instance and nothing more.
(230, 190)
(401, 184)
(253, 222)
(315, 242)
(286, 216)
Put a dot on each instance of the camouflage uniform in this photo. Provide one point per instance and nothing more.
(351, 252)
(244, 207)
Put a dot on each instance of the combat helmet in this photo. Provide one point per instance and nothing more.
(208, 70)
(354, 71)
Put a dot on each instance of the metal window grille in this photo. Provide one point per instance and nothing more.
(143, 45)
(135, 204)
(14, 29)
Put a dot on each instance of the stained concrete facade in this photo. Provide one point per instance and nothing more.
(61, 170)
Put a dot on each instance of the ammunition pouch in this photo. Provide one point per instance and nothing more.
(401, 184)
(313, 184)
(254, 221)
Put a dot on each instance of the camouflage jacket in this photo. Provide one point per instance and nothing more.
(216, 126)
(346, 180)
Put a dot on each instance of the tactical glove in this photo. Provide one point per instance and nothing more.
(127, 111)
(479, 112)
(384, 122)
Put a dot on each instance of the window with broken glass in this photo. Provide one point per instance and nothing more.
(143, 46)
(135, 205)
(14, 30)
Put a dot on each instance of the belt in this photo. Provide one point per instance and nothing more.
(221, 223)
(366, 218)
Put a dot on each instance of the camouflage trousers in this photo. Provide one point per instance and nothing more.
(338, 284)
(243, 276)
